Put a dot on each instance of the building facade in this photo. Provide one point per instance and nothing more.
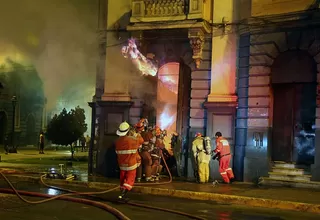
(21, 110)
(247, 68)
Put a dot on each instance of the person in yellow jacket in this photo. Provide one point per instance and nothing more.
(202, 154)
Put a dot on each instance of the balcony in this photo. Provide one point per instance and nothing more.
(167, 10)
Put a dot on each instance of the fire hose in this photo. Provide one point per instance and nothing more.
(110, 209)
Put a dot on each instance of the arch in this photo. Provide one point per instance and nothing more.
(294, 66)
(3, 126)
(173, 98)
(31, 133)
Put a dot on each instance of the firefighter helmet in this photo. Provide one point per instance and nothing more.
(124, 128)
(198, 134)
(157, 131)
(139, 126)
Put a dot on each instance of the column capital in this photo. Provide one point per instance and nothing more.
(197, 38)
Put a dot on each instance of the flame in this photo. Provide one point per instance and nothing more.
(167, 118)
(143, 64)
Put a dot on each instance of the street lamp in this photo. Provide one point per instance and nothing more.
(14, 103)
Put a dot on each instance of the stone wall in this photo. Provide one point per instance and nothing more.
(200, 88)
(259, 57)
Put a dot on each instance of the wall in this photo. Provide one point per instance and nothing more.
(117, 68)
(200, 89)
(273, 7)
(256, 59)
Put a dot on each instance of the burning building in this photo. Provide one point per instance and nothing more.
(245, 68)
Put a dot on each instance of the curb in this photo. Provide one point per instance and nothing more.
(220, 198)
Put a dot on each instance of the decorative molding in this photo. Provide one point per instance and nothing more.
(197, 38)
(160, 10)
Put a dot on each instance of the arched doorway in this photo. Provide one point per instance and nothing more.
(294, 87)
(31, 134)
(173, 101)
(3, 126)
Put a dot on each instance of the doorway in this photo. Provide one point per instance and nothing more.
(173, 101)
(293, 118)
(3, 126)
(294, 108)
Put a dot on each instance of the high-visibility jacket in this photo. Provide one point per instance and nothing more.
(222, 146)
(127, 152)
(199, 151)
(147, 137)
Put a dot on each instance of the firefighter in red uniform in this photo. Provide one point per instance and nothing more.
(224, 157)
(156, 154)
(128, 157)
(145, 166)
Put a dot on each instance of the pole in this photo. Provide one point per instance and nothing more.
(93, 126)
(13, 121)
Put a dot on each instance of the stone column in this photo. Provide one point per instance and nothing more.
(222, 100)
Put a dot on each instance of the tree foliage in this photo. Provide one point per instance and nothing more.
(67, 127)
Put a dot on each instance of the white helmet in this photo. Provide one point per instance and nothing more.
(123, 129)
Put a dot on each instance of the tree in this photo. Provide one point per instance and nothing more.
(67, 127)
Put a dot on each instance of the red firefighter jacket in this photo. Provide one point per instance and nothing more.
(127, 152)
(223, 146)
(146, 135)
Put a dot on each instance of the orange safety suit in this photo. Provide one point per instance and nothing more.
(156, 156)
(128, 159)
(223, 148)
(145, 155)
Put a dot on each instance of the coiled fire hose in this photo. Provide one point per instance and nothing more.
(108, 208)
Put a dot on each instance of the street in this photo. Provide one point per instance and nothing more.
(12, 208)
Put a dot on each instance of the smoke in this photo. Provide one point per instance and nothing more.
(58, 37)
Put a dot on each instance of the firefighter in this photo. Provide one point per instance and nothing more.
(41, 143)
(176, 148)
(224, 156)
(145, 166)
(201, 149)
(156, 154)
(126, 147)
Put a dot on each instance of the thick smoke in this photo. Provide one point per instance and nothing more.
(59, 38)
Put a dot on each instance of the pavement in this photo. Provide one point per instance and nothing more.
(305, 200)
(12, 208)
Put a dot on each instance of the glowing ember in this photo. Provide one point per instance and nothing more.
(138, 59)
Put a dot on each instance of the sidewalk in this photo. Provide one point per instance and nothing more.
(306, 200)
(30, 153)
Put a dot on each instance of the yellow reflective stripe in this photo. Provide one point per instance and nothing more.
(127, 185)
(126, 151)
(224, 142)
(126, 168)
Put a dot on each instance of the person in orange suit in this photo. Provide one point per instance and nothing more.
(156, 154)
(126, 147)
(144, 152)
(224, 157)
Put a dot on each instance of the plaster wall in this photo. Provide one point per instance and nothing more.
(274, 7)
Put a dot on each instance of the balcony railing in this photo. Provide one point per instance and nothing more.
(158, 10)
(164, 10)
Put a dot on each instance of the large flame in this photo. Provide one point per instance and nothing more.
(167, 118)
(138, 59)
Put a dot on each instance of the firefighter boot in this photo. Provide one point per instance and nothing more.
(123, 197)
